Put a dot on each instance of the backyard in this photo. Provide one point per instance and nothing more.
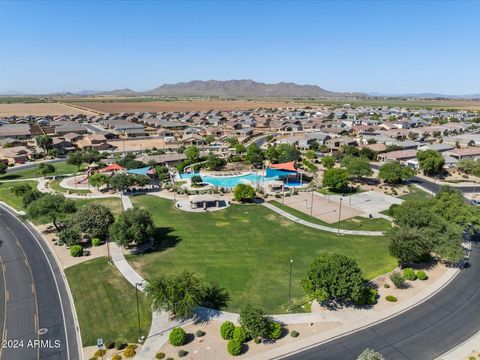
(247, 249)
(105, 303)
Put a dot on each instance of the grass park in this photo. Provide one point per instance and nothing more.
(61, 168)
(247, 249)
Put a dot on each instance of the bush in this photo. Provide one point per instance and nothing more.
(169, 358)
(409, 274)
(199, 333)
(177, 337)
(76, 250)
(93, 358)
(116, 357)
(369, 297)
(397, 280)
(120, 345)
(234, 347)
(96, 242)
(257, 340)
(391, 298)
(182, 353)
(294, 333)
(472, 358)
(226, 330)
(386, 286)
(421, 275)
(130, 351)
(274, 330)
(160, 356)
(100, 353)
(240, 334)
(109, 344)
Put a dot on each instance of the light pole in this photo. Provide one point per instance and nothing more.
(311, 204)
(138, 312)
(290, 285)
(339, 216)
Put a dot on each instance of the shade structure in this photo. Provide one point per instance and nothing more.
(142, 171)
(288, 166)
(112, 168)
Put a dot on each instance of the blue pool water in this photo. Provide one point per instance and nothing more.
(232, 181)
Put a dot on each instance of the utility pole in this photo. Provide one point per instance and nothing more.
(339, 216)
(138, 312)
(290, 286)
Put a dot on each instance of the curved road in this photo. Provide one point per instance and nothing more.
(424, 332)
(37, 320)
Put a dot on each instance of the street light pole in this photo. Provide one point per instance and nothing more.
(290, 286)
(138, 312)
(311, 205)
(339, 216)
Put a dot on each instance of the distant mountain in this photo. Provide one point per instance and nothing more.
(12, 93)
(120, 92)
(428, 96)
(244, 88)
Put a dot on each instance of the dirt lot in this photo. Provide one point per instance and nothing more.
(40, 109)
(181, 105)
(137, 145)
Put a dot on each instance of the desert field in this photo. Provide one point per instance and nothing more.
(181, 105)
(22, 109)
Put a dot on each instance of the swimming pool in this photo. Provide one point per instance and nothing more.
(232, 181)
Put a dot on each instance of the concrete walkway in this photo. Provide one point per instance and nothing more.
(463, 350)
(320, 227)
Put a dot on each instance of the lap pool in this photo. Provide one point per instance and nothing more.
(232, 181)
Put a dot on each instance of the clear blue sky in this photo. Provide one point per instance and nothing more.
(389, 47)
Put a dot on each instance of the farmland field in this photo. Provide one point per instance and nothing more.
(40, 109)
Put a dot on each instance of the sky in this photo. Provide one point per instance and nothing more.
(390, 47)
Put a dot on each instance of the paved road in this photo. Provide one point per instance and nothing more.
(33, 297)
(425, 332)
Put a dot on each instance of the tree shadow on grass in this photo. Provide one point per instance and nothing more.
(10, 177)
(164, 239)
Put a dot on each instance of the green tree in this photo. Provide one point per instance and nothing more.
(254, 155)
(334, 278)
(3, 167)
(310, 155)
(91, 156)
(75, 158)
(239, 148)
(52, 207)
(69, 236)
(335, 179)
(94, 220)
(394, 173)
(140, 180)
(430, 162)
(287, 152)
(196, 180)
(177, 294)
(45, 169)
(192, 153)
(272, 154)
(161, 173)
(255, 321)
(409, 244)
(213, 162)
(328, 162)
(44, 142)
(357, 167)
(348, 150)
(209, 139)
(98, 180)
(133, 226)
(368, 153)
(243, 192)
(121, 182)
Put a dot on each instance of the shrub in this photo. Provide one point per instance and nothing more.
(199, 333)
(226, 330)
(294, 333)
(160, 356)
(386, 286)
(182, 353)
(109, 344)
(369, 297)
(234, 347)
(93, 358)
(130, 351)
(391, 298)
(169, 358)
(120, 345)
(409, 274)
(240, 334)
(274, 330)
(76, 250)
(472, 358)
(257, 340)
(397, 280)
(116, 357)
(177, 337)
(369, 354)
(421, 275)
(100, 353)
(96, 242)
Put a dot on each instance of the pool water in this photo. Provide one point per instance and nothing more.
(232, 181)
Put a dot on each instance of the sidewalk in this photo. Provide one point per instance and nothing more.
(463, 350)
(320, 227)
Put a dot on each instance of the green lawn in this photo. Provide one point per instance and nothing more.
(55, 185)
(114, 204)
(60, 169)
(247, 249)
(7, 196)
(415, 194)
(356, 223)
(105, 303)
